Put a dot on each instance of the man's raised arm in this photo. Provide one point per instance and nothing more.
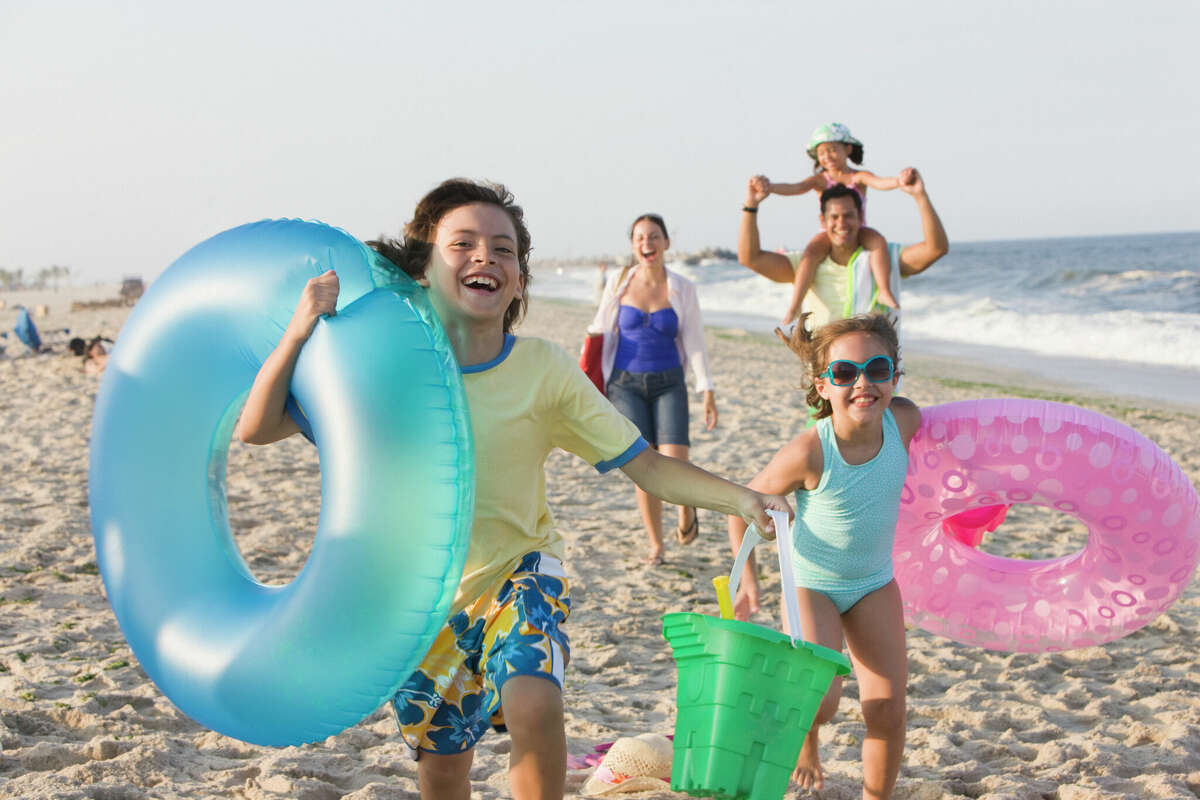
(919, 257)
(770, 265)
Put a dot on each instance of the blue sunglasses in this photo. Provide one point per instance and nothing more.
(845, 373)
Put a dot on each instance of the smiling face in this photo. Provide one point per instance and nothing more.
(863, 402)
(649, 242)
(473, 272)
(832, 156)
(842, 221)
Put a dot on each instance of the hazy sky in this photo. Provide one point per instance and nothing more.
(130, 131)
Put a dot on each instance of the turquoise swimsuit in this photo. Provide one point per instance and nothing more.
(843, 533)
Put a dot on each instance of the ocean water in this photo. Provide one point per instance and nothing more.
(1118, 314)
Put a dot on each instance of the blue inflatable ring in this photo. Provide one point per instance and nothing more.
(278, 665)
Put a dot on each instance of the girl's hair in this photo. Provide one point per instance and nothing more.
(413, 252)
(856, 155)
(813, 348)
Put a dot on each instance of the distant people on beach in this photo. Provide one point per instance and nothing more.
(830, 147)
(94, 353)
(829, 295)
(650, 319)
(847, 473)
(601, 281)
(500, 657)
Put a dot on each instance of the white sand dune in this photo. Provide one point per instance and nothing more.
(79, 719)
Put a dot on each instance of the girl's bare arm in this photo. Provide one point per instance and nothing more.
(791, 189)
(874, 181)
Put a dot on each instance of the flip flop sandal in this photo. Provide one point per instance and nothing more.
(688, 535)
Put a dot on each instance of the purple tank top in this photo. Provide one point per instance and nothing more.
(647, 341)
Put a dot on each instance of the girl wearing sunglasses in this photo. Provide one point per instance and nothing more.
(847, 472)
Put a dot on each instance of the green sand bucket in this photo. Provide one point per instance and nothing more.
(746, 697)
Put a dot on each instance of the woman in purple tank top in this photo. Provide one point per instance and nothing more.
(650, 318)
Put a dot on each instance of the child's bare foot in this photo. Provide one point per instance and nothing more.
(808, 774)
(789, 316)
(886, 298)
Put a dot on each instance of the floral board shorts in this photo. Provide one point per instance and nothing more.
(454, 694)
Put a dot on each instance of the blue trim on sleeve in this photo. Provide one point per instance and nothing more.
(509, 341)
(297, 414)
(630, 453)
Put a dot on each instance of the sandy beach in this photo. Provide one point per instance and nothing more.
(79, 718)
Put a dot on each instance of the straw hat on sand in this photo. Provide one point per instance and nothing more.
(634, 764)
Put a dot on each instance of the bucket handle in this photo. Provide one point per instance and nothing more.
(783, 544)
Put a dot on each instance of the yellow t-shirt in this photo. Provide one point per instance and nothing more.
(826, 297)
(531, 398)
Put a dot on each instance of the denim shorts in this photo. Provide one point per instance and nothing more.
(656, 402)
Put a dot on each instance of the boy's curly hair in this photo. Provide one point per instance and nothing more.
(413, 252)
(813, 348)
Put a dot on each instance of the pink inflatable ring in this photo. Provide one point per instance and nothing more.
(1141, 511)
